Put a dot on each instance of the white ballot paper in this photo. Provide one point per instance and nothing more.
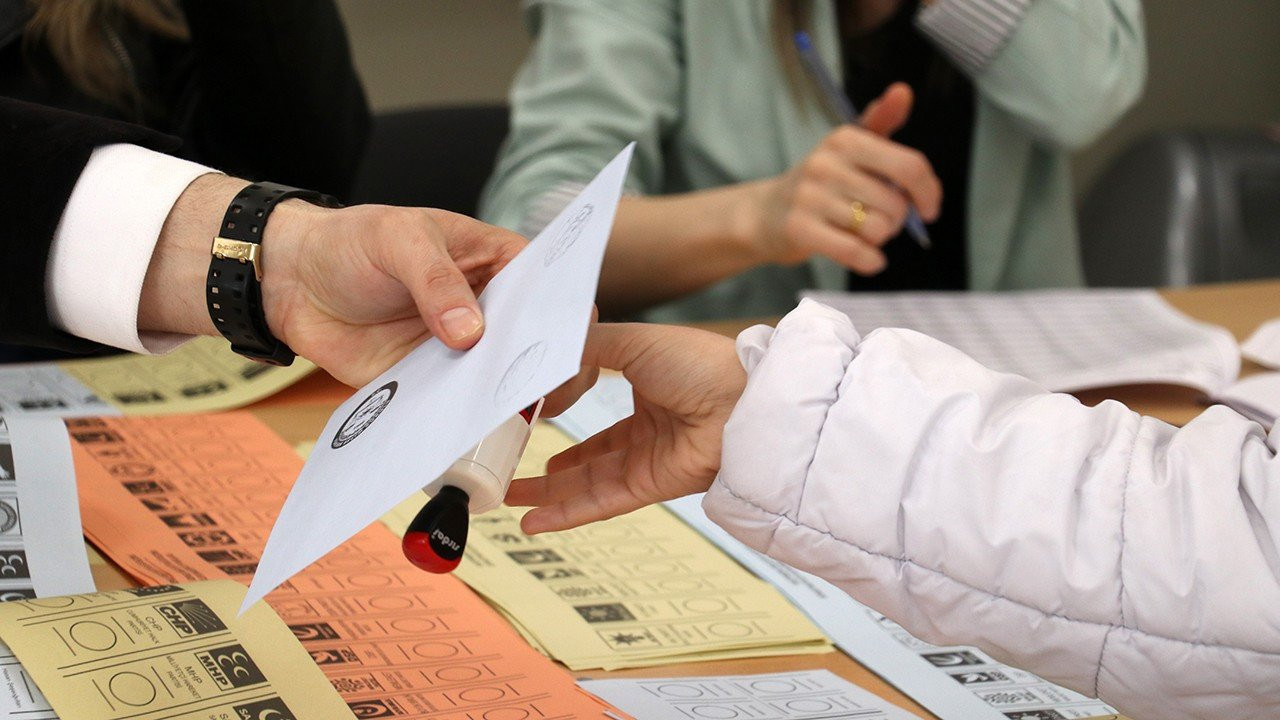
(46, 389)
(804, 695)
(1263, 346)
(401, 431)
(959, 682)
(42, 552)
(608, 402)
(41, 547)
(1257, 397)
(20, 699)
(1063, 339)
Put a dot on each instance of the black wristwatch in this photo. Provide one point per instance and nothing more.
(233, 289)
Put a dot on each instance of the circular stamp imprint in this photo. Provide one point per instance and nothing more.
(520, 372)
(365, 413)
(568, 235)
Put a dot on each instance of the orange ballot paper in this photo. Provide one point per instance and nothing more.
(172, 499)
(404, 429)
(167, 652)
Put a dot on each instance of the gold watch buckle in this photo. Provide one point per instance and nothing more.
(241, 251)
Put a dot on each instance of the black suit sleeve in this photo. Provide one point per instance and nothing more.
(276, 94)
(42, 153)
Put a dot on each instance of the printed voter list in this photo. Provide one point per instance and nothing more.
(400, 432)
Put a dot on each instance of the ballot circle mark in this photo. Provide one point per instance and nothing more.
(411, 625)
(568, 235)
(434, 650)
(520, 372)
(482, 694)
(365, 413)
(730, 630)
(774, 686)
(706, 605)
(681, 691)
(368, 580)
(93, 635)
(714, 712)
(507, 713)
(133, 689)
(809, 705)
(54, 603)
(458, 673)
(390, 602)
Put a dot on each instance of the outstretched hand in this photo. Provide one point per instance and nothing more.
(351, 289)
(354, 290)
(686, 383)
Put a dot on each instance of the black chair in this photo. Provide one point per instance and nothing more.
(431, 157)
(1186, 207)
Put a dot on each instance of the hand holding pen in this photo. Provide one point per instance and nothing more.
(844, 109)
(850, 195)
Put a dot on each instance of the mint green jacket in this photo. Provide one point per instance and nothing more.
(698, 85)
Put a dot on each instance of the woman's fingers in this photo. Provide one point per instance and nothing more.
(818, 234)
(593, 491)
(549, 488)
(901, 166)
(889, 112)
(613, 438)
(874, 213)
(563, 397)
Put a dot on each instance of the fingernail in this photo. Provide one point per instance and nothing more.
(461, 323)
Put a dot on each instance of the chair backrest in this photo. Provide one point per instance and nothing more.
(431, 157)
(1185, 207)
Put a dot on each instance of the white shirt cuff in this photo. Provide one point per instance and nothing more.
(104, 242)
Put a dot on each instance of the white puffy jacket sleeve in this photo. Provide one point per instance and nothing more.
(1112, 553)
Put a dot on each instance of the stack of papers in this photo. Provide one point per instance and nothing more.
(806, 695)
(1263, 346)
(1071, 340)
(176, 499)
(158, 653)
(1258, 396)
(638, 590)
(202, 375)
(949, 681)
(41, 550)
(953, 681)
(1063, 339)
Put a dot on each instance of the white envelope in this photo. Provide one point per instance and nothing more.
(401, 431)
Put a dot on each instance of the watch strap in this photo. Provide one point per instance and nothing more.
(233, 288)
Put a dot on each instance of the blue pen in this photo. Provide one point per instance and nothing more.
(848, 113)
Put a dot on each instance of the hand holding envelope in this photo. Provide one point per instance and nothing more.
(401, 431)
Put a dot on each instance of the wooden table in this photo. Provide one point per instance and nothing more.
(299, 413)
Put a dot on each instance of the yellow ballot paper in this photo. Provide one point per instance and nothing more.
(166, 652)
(638, 590)
(200, 376)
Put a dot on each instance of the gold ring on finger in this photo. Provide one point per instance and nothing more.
(857, 216)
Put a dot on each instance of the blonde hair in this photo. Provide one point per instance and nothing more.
(84, 38)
